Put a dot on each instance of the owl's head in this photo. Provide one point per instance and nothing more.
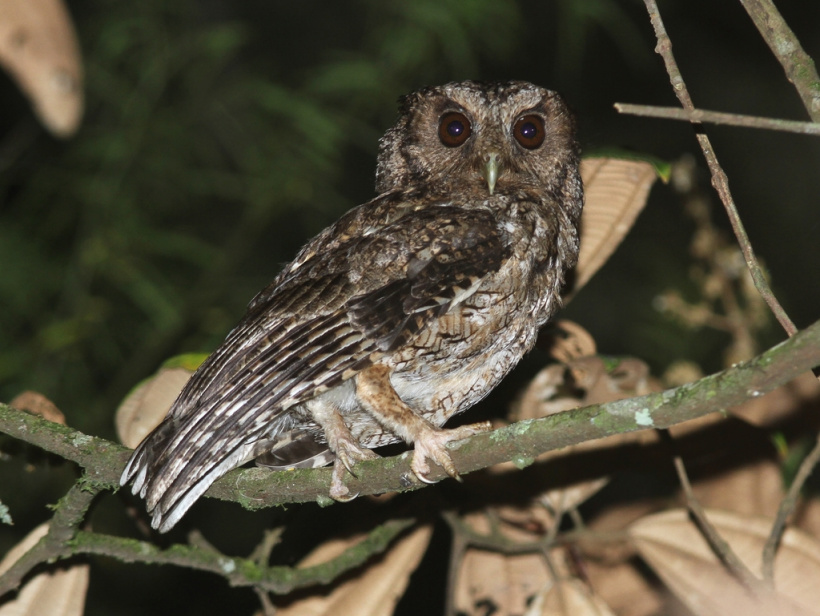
(496, 137)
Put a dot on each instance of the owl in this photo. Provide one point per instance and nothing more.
(408, 310)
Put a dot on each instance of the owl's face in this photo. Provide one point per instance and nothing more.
(496, 138)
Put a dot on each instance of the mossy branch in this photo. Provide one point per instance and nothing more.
(240, 571)
(257, 488)
(68, 515)
(785, 46)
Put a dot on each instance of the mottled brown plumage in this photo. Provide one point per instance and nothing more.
(407, 311)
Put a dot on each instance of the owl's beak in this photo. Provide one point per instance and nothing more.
(490, 171)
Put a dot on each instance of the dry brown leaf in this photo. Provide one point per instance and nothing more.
(501, 584)
(376, 591)
(674, 548)
(515, 524)
(37, 403)
(756, 488)
(148, 403)
(60, 592)
(564, 499)
(566, 340)
(583, 381)
(39, 49)
(615, 192)
(625, 590)
(807, 516)
(570, 597)
(546, 394)
(680, 373)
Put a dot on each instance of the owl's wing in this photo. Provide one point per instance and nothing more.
(335, 314)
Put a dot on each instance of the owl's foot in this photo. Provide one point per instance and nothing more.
(348, 453)
(342, 443)
(376, 394)
(431, 444)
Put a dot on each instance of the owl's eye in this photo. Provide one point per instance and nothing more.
(454, 129)
(529, 131)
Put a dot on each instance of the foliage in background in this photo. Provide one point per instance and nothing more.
(197, 172)
(219, 136)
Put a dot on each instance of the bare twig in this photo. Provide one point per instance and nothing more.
(494, 540)
(785, 510)
(261, 556)
(458, 548)
(268, 608)
(719, 546)
(698, 116)
(63, 528)
(799, 66)
(719, 179)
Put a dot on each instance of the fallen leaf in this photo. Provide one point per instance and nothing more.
(565, 340)
(675, 549)
(378, 587)
(615, 192)
(756, 488)
(625, 590)
(581, 382)
(56, 592)
(37, 403)
(39, 49)
(148, 403)
(807, 516)
(569, 597)
(498, 584)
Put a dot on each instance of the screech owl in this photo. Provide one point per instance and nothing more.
(408, 310)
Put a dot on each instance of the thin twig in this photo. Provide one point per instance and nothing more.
(458, 548)
(719, 179)
(268, 608)
(69, 514)
(719, 546)
(698, 116)
(261, 556)
(785, 510)
(785, 46)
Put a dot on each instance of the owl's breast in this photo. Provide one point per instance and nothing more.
(461, 356)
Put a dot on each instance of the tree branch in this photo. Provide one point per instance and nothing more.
(717, 543)
(719, 179)
(256, 488)
(69, 514)
(785, 46)
(696, 116)
(241, 571)
(785, 510)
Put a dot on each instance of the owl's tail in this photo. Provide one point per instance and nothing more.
(170, 477)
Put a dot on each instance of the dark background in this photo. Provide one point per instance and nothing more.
(219, 136)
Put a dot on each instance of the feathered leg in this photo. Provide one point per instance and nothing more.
(377, 396)
(342, 443)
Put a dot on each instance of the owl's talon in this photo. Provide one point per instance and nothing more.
(338, 490)
(424, 479)
(347, 455)
(431, 444)
(347, 463)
